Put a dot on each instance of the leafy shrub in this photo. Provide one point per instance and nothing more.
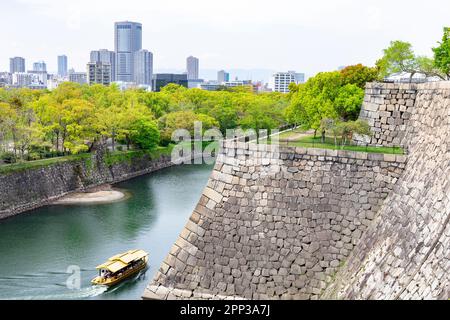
(8, 157)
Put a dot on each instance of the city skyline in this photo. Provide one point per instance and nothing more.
(308, 33)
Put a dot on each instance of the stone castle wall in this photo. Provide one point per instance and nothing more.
(387, 108)
(275, 224)
(405, 254)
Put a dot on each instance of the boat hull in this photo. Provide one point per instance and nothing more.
(115, 280)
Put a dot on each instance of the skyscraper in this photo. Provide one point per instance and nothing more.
(40, 66)
(127, 40)
(223, 76)
(62, 66)
(105, 56)
(99, 73)
(192, 66)
(143, 67)
(16, 64)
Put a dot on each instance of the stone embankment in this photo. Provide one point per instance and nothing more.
(276, 223)
(30, 189)
(405, 254)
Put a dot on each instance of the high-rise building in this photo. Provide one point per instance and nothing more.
(223, 76)
(105, 56)
(282, 80)
(161, 80)
(21, 79)
(40, 66)
(62, 66)
(143, 67)
(78, 77)
(192, 68)
(99, 73)
(16, 64)
(127, 41)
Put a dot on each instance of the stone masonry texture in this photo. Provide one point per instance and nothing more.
(387, 108)
(405, 253)
(297, 223)
(275, 224)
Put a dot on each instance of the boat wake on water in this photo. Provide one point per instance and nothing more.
(46, 286)
(83, 293)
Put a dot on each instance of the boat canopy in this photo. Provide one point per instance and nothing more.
(121, 261)
(113, 266)
(129, 256)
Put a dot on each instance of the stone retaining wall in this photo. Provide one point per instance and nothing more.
(387, 108)
(30, 189)
(405, 254)
(275, 223)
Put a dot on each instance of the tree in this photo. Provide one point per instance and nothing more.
(442, 54)
(358, 75)
(261, 115)
(398, 57)
(314, 100)
(226, 113)
(145, 134)
(428, 68)
(183, 120)
(78, 124)
(7, 120)
(348, 102)
(348, 129)
(332, 126)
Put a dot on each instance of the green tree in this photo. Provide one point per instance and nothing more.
(7, 122)
(398, 57)
(315, 100)
(348, 102)
(442, 54)
(145, 134)
(183, 120)
(348, 129)
(358, 75)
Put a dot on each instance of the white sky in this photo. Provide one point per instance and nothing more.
(306, 36)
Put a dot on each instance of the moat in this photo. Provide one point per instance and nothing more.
(37, 248)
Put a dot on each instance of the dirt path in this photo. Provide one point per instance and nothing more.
(297, 136)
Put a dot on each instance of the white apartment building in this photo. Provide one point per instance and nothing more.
(282, 80)
(22, 79)
(99, 73)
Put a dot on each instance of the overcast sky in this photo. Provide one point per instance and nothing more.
(306, 36)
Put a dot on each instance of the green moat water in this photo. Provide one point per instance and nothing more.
(37, 249)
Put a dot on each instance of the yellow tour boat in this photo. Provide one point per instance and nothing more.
(120, 267)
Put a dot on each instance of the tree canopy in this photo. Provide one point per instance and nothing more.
(442, 54)
(328, 95)
(76, 118)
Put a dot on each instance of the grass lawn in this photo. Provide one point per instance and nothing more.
(110, 158)
(27, 165)
(310, 142)
(290, 134)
